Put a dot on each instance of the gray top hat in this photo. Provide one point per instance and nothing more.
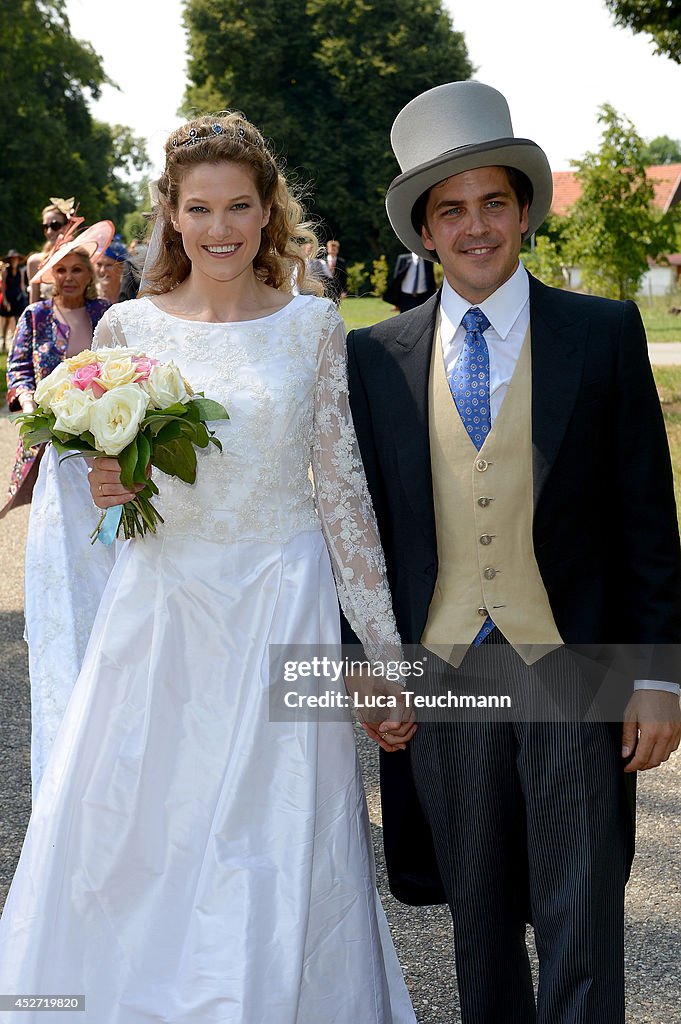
(453, 128)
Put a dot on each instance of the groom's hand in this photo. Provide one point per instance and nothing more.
(381, 707)
(391, 736)
(652, 728)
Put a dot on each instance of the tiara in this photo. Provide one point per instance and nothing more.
(194, 135)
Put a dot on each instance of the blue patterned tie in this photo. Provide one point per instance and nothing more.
(469, 385)
(469, 379)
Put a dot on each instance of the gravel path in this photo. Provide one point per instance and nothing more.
(422, 936)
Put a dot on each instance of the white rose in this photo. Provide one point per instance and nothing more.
(50, 385)
(116, 371)
(83, 358)
(165, 386)
(105, 352)
(73, 410)
(116, 416)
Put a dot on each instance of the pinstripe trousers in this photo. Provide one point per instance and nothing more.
(530, 824)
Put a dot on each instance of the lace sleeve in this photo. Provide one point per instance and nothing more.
(344, 507)
(108, 332)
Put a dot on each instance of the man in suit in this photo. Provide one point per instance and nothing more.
(413, 282)
(338, 289)
(518, 464)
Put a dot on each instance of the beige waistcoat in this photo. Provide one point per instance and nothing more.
(483, 517)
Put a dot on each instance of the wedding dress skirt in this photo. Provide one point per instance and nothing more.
(65, 576)
(189, 860)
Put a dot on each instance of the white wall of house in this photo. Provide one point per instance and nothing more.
(656, 281)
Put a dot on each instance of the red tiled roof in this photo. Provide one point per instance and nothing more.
(665, 178)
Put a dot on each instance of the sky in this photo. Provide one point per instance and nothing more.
(556, 63)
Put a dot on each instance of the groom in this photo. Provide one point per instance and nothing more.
(517, 460)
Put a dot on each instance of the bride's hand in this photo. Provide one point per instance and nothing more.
(105, 484)
(381, 707)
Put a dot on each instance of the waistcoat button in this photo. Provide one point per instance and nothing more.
(486, 539)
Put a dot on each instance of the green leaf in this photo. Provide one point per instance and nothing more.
(76, 446)
(34, 437)
(127, 460)
(192, 413)
(178, 409)
(209, 410)
(201, 438)
(191, 430)
(155, 425)
(176, 458)
(76, 455)
(168, 432)
(143, 458)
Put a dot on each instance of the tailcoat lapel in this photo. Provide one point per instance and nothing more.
(558, 347)
(409, 366)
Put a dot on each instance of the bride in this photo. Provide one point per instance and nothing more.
(189, 859)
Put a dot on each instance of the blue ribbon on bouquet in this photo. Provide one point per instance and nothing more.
(109, 526)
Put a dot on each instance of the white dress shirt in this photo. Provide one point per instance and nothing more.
(508, 311)
(414, 281)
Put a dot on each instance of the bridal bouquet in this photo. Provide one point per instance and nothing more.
(120, 403)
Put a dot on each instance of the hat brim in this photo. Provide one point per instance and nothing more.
(522, 154)
(94, 240)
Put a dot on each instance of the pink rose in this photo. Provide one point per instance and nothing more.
(85, 376)
(143, 367)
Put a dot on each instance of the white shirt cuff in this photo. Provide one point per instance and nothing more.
(657, 684)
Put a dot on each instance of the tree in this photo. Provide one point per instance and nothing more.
(660, 18)
(324, 79)
(613, 228)
(51, 144)
(662, 150)
(545, 262)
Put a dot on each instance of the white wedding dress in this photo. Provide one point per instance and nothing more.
(65, 576)
(189, 861)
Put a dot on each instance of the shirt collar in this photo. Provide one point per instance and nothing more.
(501, 308)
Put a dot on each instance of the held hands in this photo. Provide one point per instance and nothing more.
(381, 708)
(105, 484)
(652, 729)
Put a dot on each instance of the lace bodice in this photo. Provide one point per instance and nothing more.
(283, 381)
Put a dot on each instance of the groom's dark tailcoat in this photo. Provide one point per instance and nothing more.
(605, 531)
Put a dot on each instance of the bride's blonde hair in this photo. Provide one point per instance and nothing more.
(230, 138)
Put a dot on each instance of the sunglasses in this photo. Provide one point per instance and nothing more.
(54, 225)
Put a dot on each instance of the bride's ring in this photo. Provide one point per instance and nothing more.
(100, 488)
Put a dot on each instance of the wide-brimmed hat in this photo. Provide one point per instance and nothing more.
(13, 254)
(94, 240)
(453, 128)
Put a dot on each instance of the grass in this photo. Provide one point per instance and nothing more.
(668, 380)
(660, 324)
(362, 312)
